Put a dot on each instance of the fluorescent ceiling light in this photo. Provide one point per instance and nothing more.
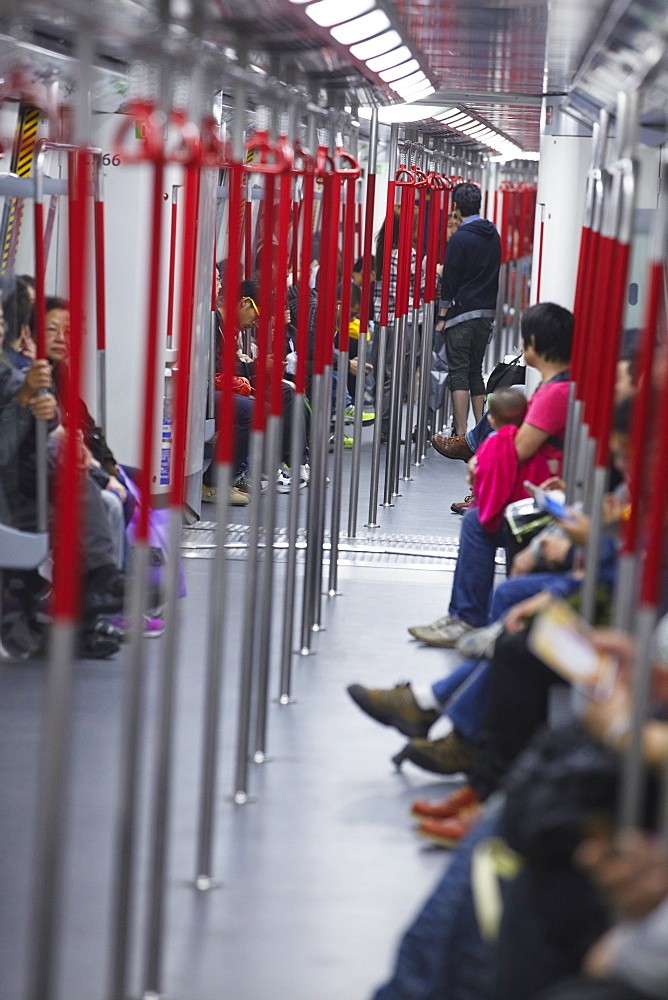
(408, 91)
(376, 46)
(329, 12)
(361, 27)
(395, 114)
(392, 58)
(419, 93)
(399, 72)
(409, 81)
(300, 1)
(449, 113)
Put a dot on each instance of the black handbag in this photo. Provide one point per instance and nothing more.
(506, 374)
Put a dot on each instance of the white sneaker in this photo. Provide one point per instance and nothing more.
(284, 479)
(479, 644)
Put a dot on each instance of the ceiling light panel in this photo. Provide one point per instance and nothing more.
(399, 72)
(406, 84)
(329, 12)
(361, 27)
(389, 59)
(376, 46)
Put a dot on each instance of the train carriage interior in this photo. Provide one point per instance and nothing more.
(320, 319)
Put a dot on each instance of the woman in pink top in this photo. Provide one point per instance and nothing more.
(547, 334)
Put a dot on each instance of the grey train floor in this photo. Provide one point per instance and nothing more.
(321, 872)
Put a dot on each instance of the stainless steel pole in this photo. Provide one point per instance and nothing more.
(362, 346)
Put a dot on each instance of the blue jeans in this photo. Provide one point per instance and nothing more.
(474, 573)
(467, 687)
(477, 434)
(467, 709)
(442, 954)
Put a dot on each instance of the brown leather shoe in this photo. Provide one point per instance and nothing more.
(452, 447)
(394, 707)
(463, 798)
(449, 755)
(463, 506)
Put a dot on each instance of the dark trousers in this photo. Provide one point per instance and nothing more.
(243, 417)
(582, 988)
(518, 690)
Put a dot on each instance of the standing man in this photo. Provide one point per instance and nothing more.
(469, 288)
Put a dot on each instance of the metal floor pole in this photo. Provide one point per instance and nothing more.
(377, 429)
(337, 473)
(425, 379)
(160, 818)
(289, 597)
(317, 458)
(590, 581)
(133, 698)
(392, 430)
(399, 404)
(47, 865)
(357, 437)
(272, 451)
(410, 402)
(320, 540)
(248, 630)
(633, 761)
(570, 444)
(218, 590)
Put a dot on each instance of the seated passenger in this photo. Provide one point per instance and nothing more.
(547, 332)
(23, 400)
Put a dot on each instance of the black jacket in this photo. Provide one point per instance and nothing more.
(470, 280)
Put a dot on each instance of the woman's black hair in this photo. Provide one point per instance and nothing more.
(550, 327)
(18, 310)
(53, 302)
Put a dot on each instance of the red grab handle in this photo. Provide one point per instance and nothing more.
(265, 149)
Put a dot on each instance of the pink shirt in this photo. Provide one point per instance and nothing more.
(548, 408)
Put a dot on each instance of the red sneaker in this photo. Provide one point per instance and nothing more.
(452, 806)
(448, 832)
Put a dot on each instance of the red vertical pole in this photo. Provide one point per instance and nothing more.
(39, 313)
(347, 265)
(367, 254)
(68, 515)
(280, 291)
(265, 308)
(248, 233)
(294, 250)
(387, 254)
(304, 304)
(171, 287)
(182, 387)
(225, 440)
(100, 286)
